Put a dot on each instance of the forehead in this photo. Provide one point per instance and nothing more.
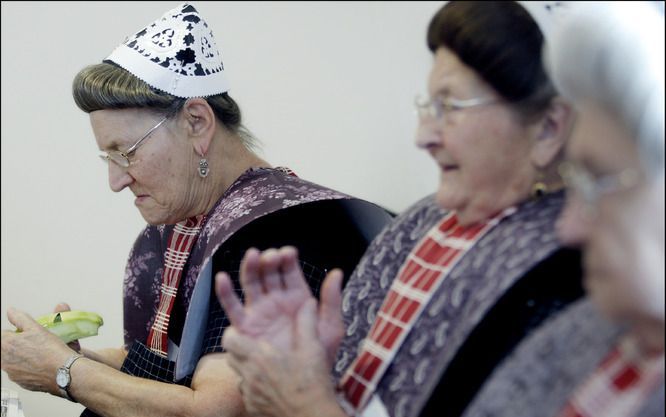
(450, 74)
(115, 128)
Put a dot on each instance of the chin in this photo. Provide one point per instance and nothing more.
(153, 222)
(446, 199)
(152, 219)
(602, 297)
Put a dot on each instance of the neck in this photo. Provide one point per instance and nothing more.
(225, 168)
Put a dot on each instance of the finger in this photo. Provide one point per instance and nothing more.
(21, 320)
(250, 279)
(227, 297)
(330, 327)
(75, 345)
(292, 274)
(61, 307)
(331, 295)
(270, 270)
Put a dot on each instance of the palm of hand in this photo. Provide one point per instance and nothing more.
(272, 318)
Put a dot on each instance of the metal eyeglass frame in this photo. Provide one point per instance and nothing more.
(592, 188)
(438, 106)
(121, 158)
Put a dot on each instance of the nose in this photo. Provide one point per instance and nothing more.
(573, 224)
(119, 178)
(428, 134)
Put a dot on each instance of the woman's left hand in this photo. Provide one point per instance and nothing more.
(32, 356)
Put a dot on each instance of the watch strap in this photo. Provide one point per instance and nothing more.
(65, 367)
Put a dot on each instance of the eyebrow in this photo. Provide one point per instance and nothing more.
(442, 91)
(112, 146)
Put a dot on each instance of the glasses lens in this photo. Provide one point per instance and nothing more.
(120, 159)
(425, 107)
(579, 180)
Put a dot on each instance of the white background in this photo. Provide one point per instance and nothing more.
(327, 87)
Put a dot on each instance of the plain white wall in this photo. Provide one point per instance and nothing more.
(327, 87)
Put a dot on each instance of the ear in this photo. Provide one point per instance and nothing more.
(551, 132)
(200, 124)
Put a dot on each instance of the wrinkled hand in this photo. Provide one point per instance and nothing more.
(32, 356)
(283, 383)
(275, 290)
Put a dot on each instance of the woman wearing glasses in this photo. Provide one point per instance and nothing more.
(609, 59)
(172, 135)
(616, 211)
(448, 289)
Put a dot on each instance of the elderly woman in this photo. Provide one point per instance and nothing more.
(613, 69)
(454, 283)
(609, 59)
(172, 135)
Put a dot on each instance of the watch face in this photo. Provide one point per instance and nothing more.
(62, 378)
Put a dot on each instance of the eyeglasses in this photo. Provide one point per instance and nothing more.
(590, 187)
(122, 158)
(439, 106)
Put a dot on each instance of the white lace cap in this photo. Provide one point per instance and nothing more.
(176, 54)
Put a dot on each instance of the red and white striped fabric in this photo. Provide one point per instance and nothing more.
(618, 387)
(426, 267)
(180, 244)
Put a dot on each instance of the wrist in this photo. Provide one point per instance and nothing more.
(321, 402)
(63, 376)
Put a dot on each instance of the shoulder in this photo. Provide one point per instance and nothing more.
(419, 216)
(545, 368)
(279, 181)
(398, 237)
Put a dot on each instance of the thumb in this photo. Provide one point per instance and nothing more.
(331, 296)
(61, 307)
(21, 320)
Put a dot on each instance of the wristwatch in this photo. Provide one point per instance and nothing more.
(64, 379)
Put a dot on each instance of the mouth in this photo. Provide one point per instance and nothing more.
(448, 167)
(140, 198)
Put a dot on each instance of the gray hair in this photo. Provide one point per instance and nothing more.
(613, 53)
(108, 86)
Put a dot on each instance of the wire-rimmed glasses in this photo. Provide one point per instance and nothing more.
(591, 187)
(439, 106)
(121, 158)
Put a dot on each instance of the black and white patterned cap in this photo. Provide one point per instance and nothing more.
(176, 54)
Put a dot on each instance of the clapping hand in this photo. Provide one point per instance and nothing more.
(281, 343)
